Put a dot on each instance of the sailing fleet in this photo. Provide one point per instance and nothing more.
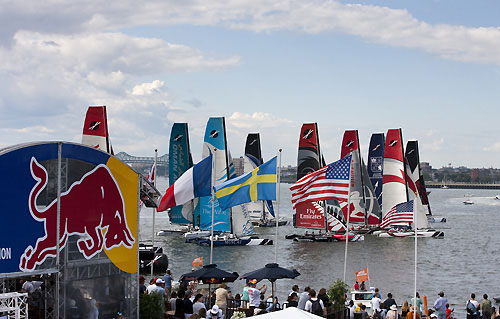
(390, 177)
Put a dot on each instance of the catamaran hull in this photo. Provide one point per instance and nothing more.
(324, 238)
(268, 223)
(436, 219)
(425, 233)
(236, 242)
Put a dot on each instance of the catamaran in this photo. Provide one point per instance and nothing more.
(325, 217)
(400, 173)
(233, 224)
(261, 212)
(180, 160)
(365, 209)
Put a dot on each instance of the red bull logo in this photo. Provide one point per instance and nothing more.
(92, 208)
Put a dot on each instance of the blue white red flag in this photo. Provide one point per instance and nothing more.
(195, 182)
(401, 213)
(328, 183)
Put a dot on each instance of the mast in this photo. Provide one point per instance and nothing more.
(227, 172)
(277, 211)
(213, 209)
(348, 214)
(361, 173)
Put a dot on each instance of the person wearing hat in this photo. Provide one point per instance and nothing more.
(215, 313)
(440, 305)
(254, 294)
(152, 285)
(392, 313)
(159, 289)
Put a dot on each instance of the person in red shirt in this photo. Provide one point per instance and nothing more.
(448, 311)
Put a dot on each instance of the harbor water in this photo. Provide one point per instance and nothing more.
(464, 261)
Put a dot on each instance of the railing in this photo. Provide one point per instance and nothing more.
(234, 305)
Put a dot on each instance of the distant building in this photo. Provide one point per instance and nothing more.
(474, 174)
(239, 166)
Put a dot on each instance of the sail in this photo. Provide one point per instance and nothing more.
(180, 160)
(215, 138)
(309, 214)
(95, 129)
(251, 160)
(376, 163)
(240, 217)
(350, 144)
(412, 178)
(309, 156)
(373, 210)
(394, 179)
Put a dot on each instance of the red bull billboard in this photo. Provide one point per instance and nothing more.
(98, 206)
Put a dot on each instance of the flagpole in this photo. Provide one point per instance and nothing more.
(154, 212)
(277, 214)
(348, 214)
(213, 207)
(415, 291)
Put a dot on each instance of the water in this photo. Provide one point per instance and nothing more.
(464, 261)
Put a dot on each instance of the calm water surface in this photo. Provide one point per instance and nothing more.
(464, 261)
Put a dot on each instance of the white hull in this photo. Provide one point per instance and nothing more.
(420, 233)
(436, 219)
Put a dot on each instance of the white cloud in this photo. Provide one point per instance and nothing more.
(492, 148)
(147, 88)
(395, 27)
(435, 145)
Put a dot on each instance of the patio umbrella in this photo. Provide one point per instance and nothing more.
(271, 272)
(210, 274)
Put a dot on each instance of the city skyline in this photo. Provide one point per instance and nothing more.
(431, 68)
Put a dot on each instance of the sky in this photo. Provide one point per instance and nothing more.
(430, 67)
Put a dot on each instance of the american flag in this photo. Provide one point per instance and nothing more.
(328, 183)
(401, 213)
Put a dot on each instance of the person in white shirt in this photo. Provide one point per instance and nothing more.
(376, 302)
(315, 305)
(254, 294)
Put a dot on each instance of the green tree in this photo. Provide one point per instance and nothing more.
(151, 306)
(336, 294)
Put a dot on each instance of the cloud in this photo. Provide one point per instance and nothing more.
(147, 88)
(492, 148)
(394, 27)
(435, 145)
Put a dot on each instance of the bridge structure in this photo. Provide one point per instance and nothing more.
(130, 159)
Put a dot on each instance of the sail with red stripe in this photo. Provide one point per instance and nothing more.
(95, 129)
(394, 177)
(350, 144)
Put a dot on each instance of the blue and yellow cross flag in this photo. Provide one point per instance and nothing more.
(259, 184)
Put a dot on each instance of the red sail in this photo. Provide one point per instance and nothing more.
(349, 142)
(95, 129)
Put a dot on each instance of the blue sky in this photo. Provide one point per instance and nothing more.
(429, 67)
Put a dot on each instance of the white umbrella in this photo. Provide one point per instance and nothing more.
(290, 312)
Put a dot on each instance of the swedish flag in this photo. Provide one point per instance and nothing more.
(259, 184)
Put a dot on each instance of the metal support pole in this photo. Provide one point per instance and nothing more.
(277, 211)
(213, 208)
(154, 213)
